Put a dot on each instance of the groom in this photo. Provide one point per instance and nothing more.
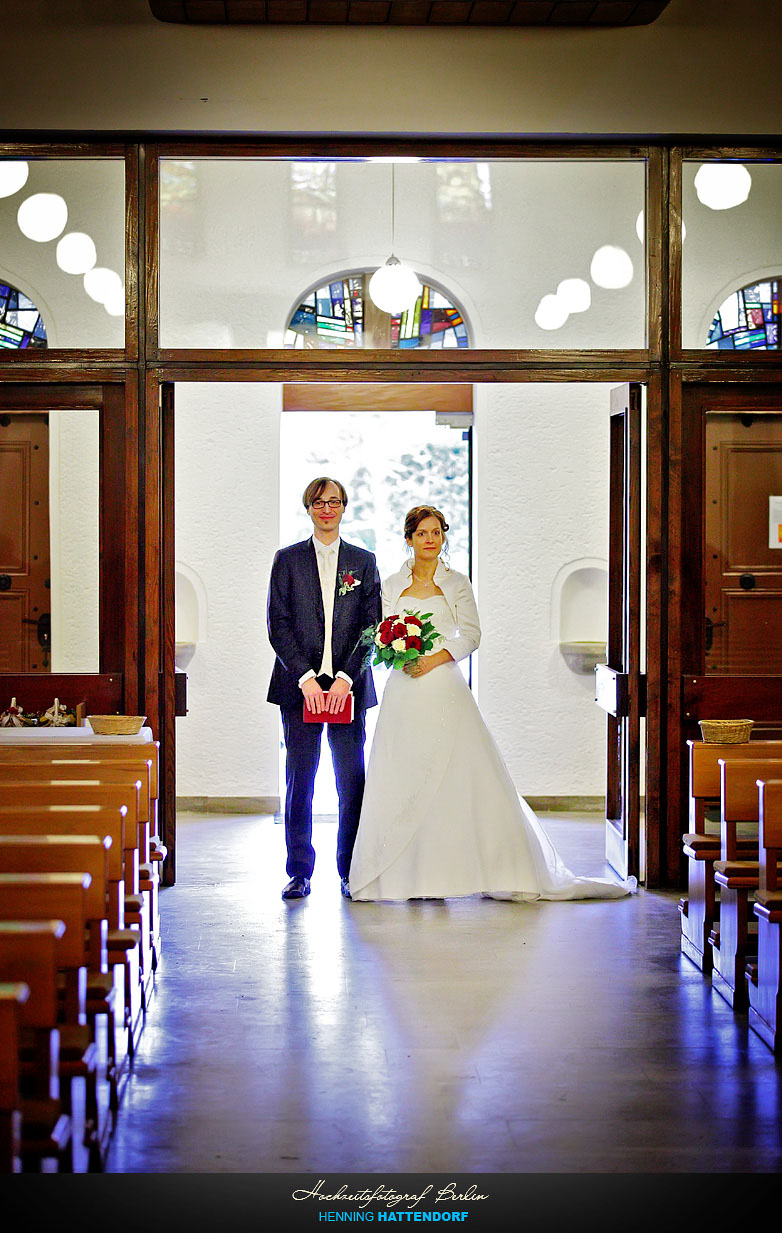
(322, 594)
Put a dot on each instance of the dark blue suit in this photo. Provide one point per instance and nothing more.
(295, 621)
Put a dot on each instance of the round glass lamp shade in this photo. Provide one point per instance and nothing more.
(102, 284)
(76, 253)
(721, 186)
(394, 287)
(551, 313)
(574, 294)
(115, 302)
(42, 217)
(13, 176)
(611, 267)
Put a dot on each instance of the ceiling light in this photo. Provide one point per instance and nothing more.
(611, 267)
(42, 217)
(76, 253)
(13, 176)
(115, 302)
(574, 294)
(551, 313)
(394, 287)
(102, 284)
(721, 186)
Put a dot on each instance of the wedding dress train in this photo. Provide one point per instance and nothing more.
(441, 816)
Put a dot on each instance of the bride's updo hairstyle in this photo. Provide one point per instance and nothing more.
(417, 515)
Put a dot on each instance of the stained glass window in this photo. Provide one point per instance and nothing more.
(748, 320)
(21, 325)
(333, 316)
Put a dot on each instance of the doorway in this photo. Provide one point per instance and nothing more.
(390, 458)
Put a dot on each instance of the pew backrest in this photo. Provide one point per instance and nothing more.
(770, 832)
(704, 769)
(29, 953)
(50, 896)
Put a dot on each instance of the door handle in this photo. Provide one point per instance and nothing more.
(710, 627)
(44, 624)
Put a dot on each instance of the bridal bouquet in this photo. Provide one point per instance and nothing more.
(398, 640)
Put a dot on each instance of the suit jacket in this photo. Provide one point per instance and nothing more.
(459, 596)
(295, 620)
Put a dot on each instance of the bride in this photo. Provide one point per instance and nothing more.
(441, 815)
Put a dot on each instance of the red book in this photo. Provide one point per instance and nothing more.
(345, 716)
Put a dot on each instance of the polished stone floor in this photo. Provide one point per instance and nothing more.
(470, 1035)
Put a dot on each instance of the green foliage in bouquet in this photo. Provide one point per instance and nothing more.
(399, 639)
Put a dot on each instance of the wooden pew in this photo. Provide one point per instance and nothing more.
(29, 952)
(32, 791)
(702, 849)
(13, 996)
(65, 897)
(736, 874)
(765, 990)
(104, 1004)
(141, 758)
(123, 944)
(138, 907)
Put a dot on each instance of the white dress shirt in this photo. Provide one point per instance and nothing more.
(327, 556)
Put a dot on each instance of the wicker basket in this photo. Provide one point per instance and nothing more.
(725, 731)
(116, 725)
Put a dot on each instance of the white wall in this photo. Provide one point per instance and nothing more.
(700, 68)
(541, 499)
(227, 531)
(74, 447)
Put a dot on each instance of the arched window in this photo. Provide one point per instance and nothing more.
(21, 324)
(334, 316)
(749, 319)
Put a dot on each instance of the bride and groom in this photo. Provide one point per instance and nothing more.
(438, 814)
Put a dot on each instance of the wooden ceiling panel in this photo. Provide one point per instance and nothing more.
(582, 13)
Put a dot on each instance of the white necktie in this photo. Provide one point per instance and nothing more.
(326, 569)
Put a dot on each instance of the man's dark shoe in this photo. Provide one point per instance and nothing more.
(297, 888)
(344, 887)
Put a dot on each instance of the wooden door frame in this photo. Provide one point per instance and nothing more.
(690, 389)
(117, 678)
(141, 369)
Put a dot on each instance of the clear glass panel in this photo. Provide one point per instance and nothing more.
(62, 253)
(49, 541)
(509, 254)
(731, 255)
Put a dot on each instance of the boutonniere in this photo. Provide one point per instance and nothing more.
(347, 582)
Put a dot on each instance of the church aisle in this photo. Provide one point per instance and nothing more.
(467, 1036)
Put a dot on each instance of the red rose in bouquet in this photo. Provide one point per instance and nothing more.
(400, 638)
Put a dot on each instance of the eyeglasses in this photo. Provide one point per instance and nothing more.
(334, 503)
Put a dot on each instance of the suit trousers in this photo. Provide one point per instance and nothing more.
(302, 755)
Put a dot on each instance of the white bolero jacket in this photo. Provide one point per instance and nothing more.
(458, 593)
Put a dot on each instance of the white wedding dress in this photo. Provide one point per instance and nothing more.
(441, 816)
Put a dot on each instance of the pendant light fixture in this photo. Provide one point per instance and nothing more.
(394, 287)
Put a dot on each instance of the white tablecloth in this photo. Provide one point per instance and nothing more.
(70, 735)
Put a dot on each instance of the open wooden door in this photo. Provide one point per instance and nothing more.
(732, 557)
(620, 685)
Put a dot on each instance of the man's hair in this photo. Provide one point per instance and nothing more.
(316, 487)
